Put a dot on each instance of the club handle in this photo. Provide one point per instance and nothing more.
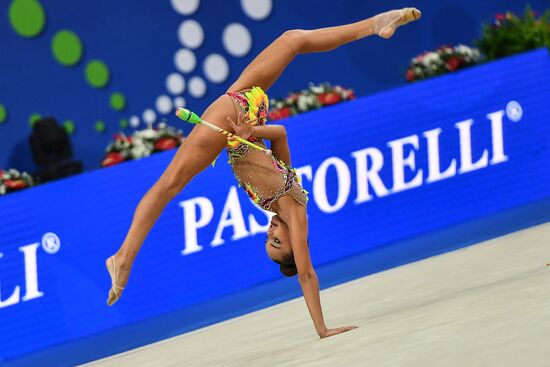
(193, 118)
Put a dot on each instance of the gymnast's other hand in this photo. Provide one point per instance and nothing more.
(330, 332)
(244, 130)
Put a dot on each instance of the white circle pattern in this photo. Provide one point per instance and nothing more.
(216, 68)
(197, 87)
(175, 84)
(237, 40)
(149, 116)
(257, 9)
(164, 104)
(191, 34)
(134, 121)
(180, 102)
(185, 7)
(185, 60)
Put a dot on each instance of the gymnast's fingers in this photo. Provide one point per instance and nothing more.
(235, 127)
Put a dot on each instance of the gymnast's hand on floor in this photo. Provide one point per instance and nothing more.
(331, 332)
(245, 129)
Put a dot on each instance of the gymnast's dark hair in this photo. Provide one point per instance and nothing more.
(287, 266)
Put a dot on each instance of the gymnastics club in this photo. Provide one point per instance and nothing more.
(192, 118)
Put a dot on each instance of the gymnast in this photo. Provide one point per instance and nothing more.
(268, 179)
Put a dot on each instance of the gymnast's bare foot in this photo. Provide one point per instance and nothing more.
(119, 271)
(385, 24)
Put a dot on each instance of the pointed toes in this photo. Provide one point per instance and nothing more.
(112, 297)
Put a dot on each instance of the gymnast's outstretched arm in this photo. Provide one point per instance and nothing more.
(294, 214)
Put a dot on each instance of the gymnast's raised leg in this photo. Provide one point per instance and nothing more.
(202, 145)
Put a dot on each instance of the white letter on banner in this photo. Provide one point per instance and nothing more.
(433, 158)
(256, 227)
(399, 163)
(466, 164)
(191, 224)
(498, 140)
(13, 299)
(320, 188)
(365, 175)
(232, 215)
(31, 273)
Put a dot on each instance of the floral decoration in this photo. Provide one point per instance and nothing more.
(313, 98)
(509, 33)
(13, 180)
(444, 60)
(141, 144)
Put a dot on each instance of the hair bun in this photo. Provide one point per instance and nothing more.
(288, 270)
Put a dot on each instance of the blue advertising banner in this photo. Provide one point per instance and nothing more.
(380, 170)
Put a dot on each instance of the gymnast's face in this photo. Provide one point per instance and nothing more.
(278, 244)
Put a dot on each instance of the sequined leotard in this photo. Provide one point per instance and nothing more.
(264, 178)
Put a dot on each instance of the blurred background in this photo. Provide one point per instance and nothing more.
(108, 66)
(428, 142)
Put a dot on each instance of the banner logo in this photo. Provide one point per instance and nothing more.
(51, 245)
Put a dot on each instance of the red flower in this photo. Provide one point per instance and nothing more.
(15, 184)
(351, 95)
(279, 114)
(410, 75)
(112, 159)
(453, 63)
(329, 98)
(500, 17)
(166, 143)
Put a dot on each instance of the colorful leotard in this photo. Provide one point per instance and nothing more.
(264, 178)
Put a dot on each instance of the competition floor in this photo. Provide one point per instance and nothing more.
(485, 305)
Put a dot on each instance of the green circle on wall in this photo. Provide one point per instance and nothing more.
(67, 48)
(69, 126)
(97, 73)
(33, 118)
(118, 101)
(3, 114)
(27, 17)
(123, 123)
(100, 126)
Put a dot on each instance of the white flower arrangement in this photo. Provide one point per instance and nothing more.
(441, 61)
(313, 98)
(13, 180)
(142, 144)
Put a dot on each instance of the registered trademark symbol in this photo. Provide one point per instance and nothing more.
(50, 243)
(514, 111)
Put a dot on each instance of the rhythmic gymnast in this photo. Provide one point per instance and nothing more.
(268, 179)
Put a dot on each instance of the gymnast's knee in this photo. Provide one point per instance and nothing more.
(295, 39)
(170, 185)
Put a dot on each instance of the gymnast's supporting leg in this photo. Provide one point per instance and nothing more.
(202, 146)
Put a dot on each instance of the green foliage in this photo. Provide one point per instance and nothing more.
(511, 34)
